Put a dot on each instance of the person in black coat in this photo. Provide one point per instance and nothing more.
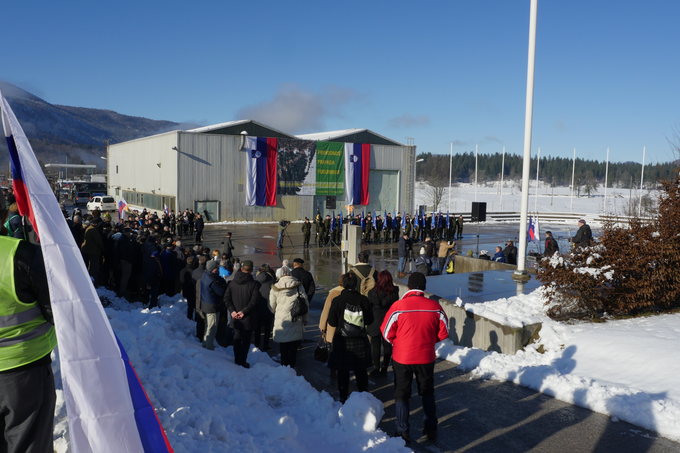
(265, 317)
(350, 349)
(241, 301)
(510, 253)
(198, 226)
(213, 288)
(381, 297)
(583, 236)
(304, 277)
(551, 245)
(228, 246)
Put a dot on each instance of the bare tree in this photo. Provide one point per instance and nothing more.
(589, 183)
(435, 189)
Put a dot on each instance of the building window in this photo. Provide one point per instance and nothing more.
(116, 169)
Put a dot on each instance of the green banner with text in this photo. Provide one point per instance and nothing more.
(330, 168)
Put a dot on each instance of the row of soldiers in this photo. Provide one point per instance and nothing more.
(385, 231)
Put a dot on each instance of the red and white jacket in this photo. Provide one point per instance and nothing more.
(413, 325)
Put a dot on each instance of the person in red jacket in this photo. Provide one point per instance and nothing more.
(413, 325)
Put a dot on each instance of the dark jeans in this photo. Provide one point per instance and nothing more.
(376, 342)
(289, 352)
(343, 382)
(403, 378)
(241, 345)
(27, 400)
(199, 235)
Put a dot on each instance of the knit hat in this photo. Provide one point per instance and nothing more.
(211, 265)
(417, 281)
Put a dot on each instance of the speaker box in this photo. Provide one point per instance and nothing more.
(478, 211)
(330, 202)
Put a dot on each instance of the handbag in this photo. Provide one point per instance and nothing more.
(299, 307)
(322, 350)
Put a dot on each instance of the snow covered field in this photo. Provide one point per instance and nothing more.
(549, 199)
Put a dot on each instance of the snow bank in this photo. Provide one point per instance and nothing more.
(626, 369)
(208, 404)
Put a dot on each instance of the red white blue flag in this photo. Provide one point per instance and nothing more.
(122, 206)
(533, 234)
(108, 410)
(357, 160)
(261, 171)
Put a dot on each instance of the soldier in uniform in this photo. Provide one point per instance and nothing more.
(378, 229)
(407, 226)
(337, 233)
(317, 227)
(327, 229)
(460, 226)
(388, 228)
(306, 232)
(369, 229)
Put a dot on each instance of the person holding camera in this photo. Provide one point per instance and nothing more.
(283, 224)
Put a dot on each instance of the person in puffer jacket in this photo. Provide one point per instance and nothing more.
(287, 331)
(414, 324)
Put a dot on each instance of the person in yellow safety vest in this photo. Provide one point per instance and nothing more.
(27, 337)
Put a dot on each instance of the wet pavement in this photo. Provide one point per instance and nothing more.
(475, 415)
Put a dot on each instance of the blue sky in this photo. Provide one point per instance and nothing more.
(440, 72)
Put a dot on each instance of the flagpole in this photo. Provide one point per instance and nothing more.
(450, 168)
(606, 176)
(642, 178)
(538, 163)
(502, 174)
(476, 147)
(573, 170)
(521, 272)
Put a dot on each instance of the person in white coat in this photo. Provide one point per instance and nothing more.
(287, 331)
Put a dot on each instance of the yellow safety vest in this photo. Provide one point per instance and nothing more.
(25, 336)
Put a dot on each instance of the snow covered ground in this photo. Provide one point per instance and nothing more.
(545, 199)
(627, 369)
(206, 403)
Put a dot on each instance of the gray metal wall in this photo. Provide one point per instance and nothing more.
(211, 167)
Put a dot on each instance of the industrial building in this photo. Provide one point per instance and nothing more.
(204, 169)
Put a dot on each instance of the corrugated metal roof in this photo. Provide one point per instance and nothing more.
(338, 135)
(224, 128)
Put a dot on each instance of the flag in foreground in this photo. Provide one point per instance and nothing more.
(261, 171)
(357, 160)
(107, 407)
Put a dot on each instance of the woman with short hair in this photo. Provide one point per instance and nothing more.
(350, 313)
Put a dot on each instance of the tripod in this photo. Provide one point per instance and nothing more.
(284, 235)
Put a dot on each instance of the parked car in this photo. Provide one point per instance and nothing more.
(81, 198)
(102, 203)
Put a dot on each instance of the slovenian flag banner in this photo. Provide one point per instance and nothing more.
(261, 171)
(357, 160)
(532, 233)
(108, 410)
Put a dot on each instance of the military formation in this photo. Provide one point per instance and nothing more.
(378, 230)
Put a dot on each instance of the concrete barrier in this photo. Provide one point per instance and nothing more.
(465, 264)
(474, 331)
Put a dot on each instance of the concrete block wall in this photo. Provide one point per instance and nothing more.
(474, 331)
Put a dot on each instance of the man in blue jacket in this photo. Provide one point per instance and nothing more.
(213, 288)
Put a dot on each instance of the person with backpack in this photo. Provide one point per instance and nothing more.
(349, 314)
(583, 236)
(381, 297)
(288, 329)
(366, 274)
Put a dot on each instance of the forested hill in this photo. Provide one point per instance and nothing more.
(553, 170)
(58, 132)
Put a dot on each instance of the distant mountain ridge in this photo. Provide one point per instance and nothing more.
(57, 132)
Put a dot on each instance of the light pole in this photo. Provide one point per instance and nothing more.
(415, 204)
